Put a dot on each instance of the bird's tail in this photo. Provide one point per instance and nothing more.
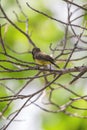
(55, 65)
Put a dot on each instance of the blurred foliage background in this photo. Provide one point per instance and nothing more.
(43, 31)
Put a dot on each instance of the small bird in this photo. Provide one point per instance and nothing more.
(42, 58)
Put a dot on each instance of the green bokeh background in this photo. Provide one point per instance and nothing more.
(43, 32)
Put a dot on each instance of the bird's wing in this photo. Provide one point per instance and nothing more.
(42, 56)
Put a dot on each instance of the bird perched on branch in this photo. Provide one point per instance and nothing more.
(42, 58)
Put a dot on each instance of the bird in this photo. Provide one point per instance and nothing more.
(41, 58)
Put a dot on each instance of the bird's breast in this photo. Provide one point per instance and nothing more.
(42, 62)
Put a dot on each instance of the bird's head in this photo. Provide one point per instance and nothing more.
(35, 50)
